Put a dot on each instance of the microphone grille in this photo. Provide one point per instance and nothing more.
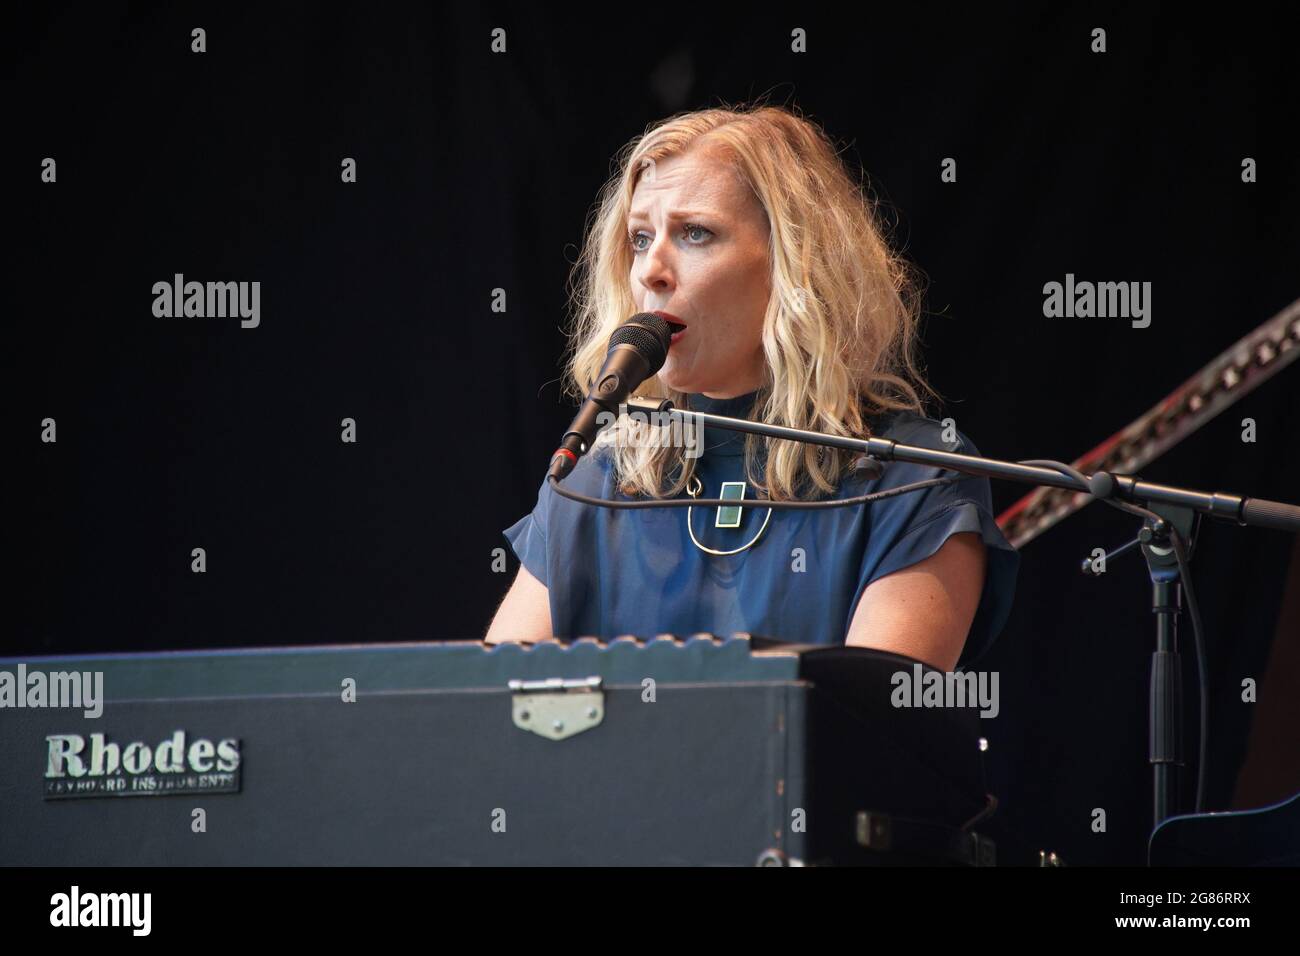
(648, 334)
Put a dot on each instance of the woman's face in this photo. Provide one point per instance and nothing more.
(699, 241)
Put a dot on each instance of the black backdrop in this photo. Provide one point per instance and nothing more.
(475, 172)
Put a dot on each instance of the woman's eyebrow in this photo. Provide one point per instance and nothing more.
(679, 214)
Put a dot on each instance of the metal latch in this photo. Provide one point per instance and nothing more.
(557, 708)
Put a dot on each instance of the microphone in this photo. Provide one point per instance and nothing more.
(637, 350)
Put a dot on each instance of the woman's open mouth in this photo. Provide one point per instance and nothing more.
(678, 328)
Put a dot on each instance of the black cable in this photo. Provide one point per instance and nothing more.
(1194, 609)
(750, 502)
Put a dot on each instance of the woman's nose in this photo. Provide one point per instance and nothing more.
(656, 270)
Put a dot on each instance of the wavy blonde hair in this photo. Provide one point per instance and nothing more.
(839, 334)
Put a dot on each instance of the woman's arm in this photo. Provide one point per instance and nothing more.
(525, 612)
(925, 610)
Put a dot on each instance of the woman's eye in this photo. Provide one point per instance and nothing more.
(688, 231)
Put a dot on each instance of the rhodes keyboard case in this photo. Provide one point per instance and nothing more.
(667, 752)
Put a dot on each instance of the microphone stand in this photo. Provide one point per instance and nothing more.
(1165, 706)
(1171, 516)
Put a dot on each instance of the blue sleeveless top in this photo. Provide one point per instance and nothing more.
(612, 572)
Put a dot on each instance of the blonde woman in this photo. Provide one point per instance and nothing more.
(744, 230)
